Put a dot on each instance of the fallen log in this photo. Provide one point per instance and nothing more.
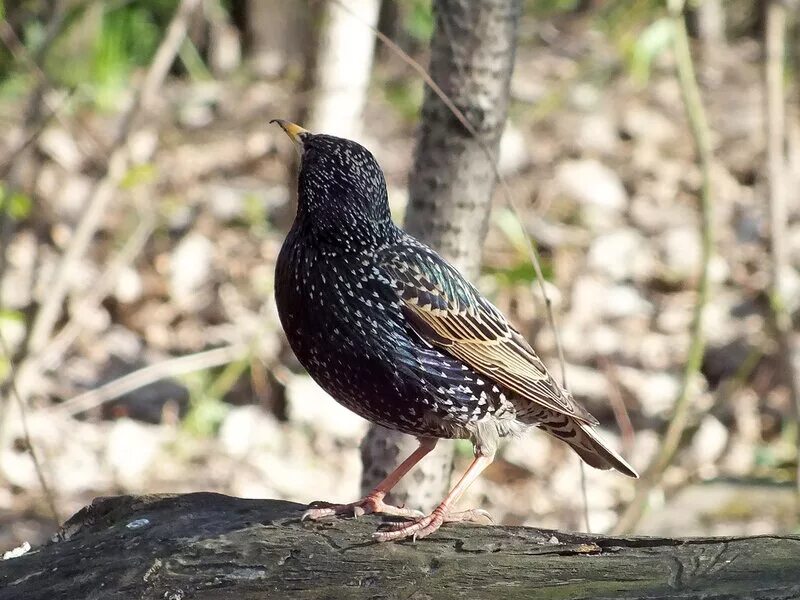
(204, 545)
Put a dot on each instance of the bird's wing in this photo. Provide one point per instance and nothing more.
(449, 313)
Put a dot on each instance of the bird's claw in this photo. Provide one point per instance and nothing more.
(426, 525)
(371, 504)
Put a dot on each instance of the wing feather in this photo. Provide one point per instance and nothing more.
(449, 313)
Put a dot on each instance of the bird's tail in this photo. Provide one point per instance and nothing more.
(589, 446)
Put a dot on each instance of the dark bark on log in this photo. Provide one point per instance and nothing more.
(213, 546)
(450, 189)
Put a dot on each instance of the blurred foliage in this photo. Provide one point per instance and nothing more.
(15, 204)
(139, 175)
(653, 41)
(520, 269)
(419, 19)
(405, 96)
(98, 46)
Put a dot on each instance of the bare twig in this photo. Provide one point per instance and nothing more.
(29, 445)
(617, 402)
(777, 176)
(150, 374)
(702, 138)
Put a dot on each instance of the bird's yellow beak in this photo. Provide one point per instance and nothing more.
(294, 131)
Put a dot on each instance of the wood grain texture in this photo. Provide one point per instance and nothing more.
(207, 545)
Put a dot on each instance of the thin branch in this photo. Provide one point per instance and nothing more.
(618, 407)
(702, 138)
(29, 446)
(151, 374)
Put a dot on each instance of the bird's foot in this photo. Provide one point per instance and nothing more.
(370, 504)
(424, 526)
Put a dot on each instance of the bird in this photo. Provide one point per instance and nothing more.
(396, 334)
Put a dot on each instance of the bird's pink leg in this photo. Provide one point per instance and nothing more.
(424, 526)
(373, 502)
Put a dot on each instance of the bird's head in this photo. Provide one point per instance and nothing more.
(342, 196)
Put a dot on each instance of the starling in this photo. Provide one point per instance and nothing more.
(397, 335)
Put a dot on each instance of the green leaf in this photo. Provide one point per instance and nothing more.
(14, 316)
(138, 175)
(16, 204)
(654, 40)
(419, 21)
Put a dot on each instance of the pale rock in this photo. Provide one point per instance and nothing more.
(605, 339)
(648, 125)
(653, 208)
(675, 314)
(655, 391)
(528, 87)
(584, 382)
(22, 257)
(531, 451)
(710, 440)
(249, 428)
(681, 251)
(646, 443)
(60, 145)
(597, 133)
(514, 154)
(719, 271)
(584, 307)
(225, 202)
(621, 254)
(591, 183)
(584, 96)
(124, 343)
(131, 451)
(91, 317)
(72, 196)
(658, 352)
(622, 301)
(142, 145)
(310, 405)
(128, 287)
(190, 269)
(583, 341)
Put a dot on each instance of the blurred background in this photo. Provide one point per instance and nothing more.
(144, 201)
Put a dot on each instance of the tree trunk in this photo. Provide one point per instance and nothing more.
(343, 67)
(451, 186)
(276, 34)
(210, 546)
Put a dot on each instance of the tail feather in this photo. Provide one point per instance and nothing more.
(589, 446)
